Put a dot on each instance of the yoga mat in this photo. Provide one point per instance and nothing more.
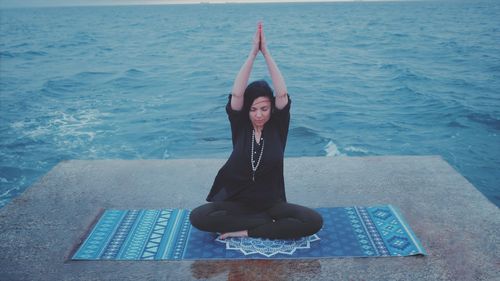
(166, 234)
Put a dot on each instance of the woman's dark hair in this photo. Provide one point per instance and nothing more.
(259, 88)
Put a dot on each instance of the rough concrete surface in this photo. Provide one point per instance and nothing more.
(456, 224)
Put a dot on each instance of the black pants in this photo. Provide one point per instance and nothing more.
(281, 221)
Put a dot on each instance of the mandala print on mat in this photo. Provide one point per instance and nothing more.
(268, 247)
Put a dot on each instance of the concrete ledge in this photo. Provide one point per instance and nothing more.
(456, 224)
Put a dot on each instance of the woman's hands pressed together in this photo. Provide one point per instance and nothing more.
(262, 45)
(259, 41)
(256, 40)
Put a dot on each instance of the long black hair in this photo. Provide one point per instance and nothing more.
(256, 89)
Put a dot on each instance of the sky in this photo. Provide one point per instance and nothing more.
(48, 3)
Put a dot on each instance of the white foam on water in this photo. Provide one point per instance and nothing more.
(10, 193)
(332, 150)
(166, 155)
(62, 125)
(17, 125)
(356, 149)
(7, 192)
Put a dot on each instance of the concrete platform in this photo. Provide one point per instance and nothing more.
(456, 224)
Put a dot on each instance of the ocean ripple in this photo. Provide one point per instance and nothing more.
(485, 119)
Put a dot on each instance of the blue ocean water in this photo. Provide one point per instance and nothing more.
(151, 82)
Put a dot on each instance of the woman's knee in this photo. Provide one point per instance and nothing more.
(308, 220)
(315, 222)
(212, 216)
(197, 217)
(312, 220)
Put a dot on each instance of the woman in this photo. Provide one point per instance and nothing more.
(248, 194)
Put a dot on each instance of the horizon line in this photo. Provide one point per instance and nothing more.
(27, 4)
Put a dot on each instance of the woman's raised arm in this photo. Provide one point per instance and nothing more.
(241, 81)
(280, 91)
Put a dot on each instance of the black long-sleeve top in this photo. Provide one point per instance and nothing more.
(234, 180)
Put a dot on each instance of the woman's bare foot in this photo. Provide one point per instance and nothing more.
(242, 233)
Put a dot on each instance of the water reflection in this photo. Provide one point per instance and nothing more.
(275, 270)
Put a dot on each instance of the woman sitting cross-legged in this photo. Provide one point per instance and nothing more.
(248, 194)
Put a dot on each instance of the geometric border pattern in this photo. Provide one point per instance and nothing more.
(383, 232)
(137, 235)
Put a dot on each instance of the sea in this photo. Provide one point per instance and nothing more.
(151, 82)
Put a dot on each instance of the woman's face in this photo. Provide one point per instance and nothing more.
(260, 111)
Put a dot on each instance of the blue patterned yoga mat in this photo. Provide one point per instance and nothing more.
(167, 234)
